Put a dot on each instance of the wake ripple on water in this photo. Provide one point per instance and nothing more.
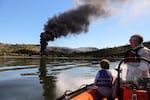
(68, 82)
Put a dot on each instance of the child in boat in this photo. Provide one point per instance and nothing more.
(103, 80)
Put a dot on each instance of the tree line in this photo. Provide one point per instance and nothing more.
(34, 50)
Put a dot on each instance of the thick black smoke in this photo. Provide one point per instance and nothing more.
(78, 20)
(72, 22)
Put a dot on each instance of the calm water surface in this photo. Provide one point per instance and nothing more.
(43, 78)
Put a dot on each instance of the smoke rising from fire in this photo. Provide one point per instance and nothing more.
(77, 20)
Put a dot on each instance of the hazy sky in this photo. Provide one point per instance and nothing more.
(22, 21)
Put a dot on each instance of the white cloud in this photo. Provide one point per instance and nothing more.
(136, 9)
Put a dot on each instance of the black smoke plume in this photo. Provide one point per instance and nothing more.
(74, 21)
(78, 20)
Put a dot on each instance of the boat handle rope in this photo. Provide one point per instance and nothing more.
(83, 85)
(68, 93)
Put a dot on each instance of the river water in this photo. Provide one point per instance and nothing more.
(43, 78)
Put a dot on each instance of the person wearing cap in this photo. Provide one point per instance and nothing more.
(137, 68)
(104, 79)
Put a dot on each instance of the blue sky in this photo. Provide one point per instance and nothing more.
(22, 21)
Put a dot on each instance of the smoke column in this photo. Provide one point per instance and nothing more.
(77, 20)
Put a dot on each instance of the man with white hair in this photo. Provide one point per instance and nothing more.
(137, 69)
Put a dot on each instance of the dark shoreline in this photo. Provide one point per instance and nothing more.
(67, 58)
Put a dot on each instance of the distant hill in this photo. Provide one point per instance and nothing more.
(86, 49)
(70, 50)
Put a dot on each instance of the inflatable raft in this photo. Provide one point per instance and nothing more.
(122, 90)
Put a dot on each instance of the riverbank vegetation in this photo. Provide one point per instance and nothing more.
(18, 49)
(34, 50)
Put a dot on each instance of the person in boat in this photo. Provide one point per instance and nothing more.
(103, 80)
(137, 69)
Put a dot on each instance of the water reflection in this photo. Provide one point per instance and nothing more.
(47, 81)
(42, 78)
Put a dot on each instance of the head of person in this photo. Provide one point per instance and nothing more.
(136, 40)
(105, 64)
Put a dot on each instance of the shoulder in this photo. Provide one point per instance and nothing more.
(144, 50)
(108, 72)
(98, 73)
(103, 71)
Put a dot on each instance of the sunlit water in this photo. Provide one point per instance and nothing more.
(43, 78)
